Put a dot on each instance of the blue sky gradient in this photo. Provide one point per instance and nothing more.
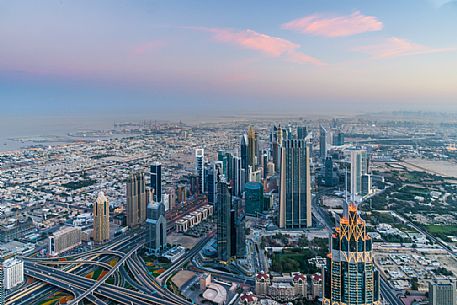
(167, 58)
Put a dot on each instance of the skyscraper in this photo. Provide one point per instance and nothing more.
(329, 177)
(137, 196)
(442, 292)
(200, 168)
(156, 180)
(350, 277)
(295, 190)
(252, 148)
(237, 178)
(302, 132)
(223, 207)
(253, 198)
(101, 219)
(359, 167)
(156, 224)
(215, 169)
(323, 142)
(237, 228)
(244, 155)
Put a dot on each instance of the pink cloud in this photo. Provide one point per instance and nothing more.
(394, 47)
(146, 47)
(339, 26)
(269, 45)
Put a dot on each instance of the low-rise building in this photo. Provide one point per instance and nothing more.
(64, 240)
(13, 273)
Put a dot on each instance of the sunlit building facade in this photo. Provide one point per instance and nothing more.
(350, 277)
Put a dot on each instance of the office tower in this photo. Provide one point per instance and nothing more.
(302, 132)
(64, 240)
(349, 276)
(253, 192)
(264, 165)
(338, 138)
(156, 224)
(137, 197)
(442, 292)
(200, 168)
(329, 177)
(276, 148)
(252, 148)
(323, 142)
(295, 190)
(13, 273)
(156, 180)
(237, 228)
(101, 219)
(214, 171)
(244, 154)
(359, 167)
(223, 207)
(228, 167)
(366, 185)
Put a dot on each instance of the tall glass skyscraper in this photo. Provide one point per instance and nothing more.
(252, 148)
(156, 181)
(350, 277)
(323, 140)
(295, 191)
(200, 168)
(223, 217)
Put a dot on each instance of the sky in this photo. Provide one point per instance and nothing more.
(175, 58)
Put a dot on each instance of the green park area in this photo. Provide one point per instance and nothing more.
(442, 231)
(156, 266)
(296, 258)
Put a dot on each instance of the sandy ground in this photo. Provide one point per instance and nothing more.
(440, 167)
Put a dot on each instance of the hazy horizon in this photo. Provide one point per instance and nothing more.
(206, 58)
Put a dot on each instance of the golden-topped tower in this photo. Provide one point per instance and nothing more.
(350, 277)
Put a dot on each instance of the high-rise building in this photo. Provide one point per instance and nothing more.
(214, 171)
(329, 177)
(244, 154)
(156, 224)
(295, 190)
(237, 176)
(64, 239)
(252, 148)
(223, 216)
(349, 276)
(101, 219)
(200, 168)
(253, 192)
(323, 140)
(302, 132)
(338, 138)
(137, 197)
(359, 167)
(237, 228)
(13, 273)
(442, 292)
(156, 180)
(366, 184)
